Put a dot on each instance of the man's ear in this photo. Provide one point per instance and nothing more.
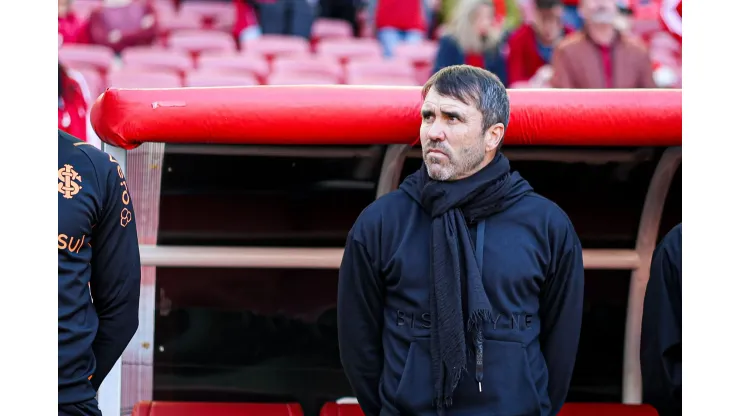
(494, 137)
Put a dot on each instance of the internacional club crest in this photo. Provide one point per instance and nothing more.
(69, 181)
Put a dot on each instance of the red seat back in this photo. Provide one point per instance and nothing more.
(347, 49)
(607, 409)
(198, 41)
(300, 79)
(271, 46)
(213, 78)
(308, 65)
(331, 28)
(156, 58)
(216, 409)
(237, 63)
(127, 78)
(96, 56)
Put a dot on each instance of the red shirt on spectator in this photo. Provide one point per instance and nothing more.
(403, 15)
(476, 60)
(524, 56)
(71, 29)
(72, 107)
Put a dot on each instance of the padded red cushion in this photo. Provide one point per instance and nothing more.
(216, 409)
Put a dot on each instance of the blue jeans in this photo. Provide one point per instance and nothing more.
(287, 17)
(389, 38)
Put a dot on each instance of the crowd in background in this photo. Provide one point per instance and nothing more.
(527, 43)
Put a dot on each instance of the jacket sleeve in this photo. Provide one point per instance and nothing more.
(560, 70)
(116, 272)
(360, 324)
(661, 318)
(561, 310)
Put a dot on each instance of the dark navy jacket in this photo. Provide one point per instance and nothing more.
(450, 53)
(533, 276)
(97, 245)
(660, 344)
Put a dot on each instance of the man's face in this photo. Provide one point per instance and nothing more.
(63, 7)
(549, 23)
(599, 11)
(483, 19)
(452, 141)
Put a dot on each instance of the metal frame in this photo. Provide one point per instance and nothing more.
(647, 236)
(637, 260)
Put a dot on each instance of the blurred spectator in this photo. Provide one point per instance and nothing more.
(286, 17)
(71, 28)
(600, 56)
(72, 101)
(508, 13)
(571, 15)
(623, 23)
(397, 21)
(531, 46)
(473, 39)
(343, 10)
(119, 24)
(246, 26)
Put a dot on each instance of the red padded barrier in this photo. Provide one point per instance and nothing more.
(569, 409)
(216, 409)
(375, 115)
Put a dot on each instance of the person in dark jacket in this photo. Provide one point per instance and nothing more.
(473, 39)
(99, 272)
(660, 345)
(461, 292)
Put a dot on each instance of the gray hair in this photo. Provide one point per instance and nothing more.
(473, 86)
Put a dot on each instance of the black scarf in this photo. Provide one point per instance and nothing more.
(453, 205)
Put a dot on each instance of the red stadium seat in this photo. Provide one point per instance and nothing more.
(236, 63)
(277, 45)
(143, 79)
(168, 23)
(331, 29)
(606, 409)
(308, 65)
(419, 53)
(96, 56)
(569, 409)
(336, 409)
(83, 8)
(158, 58)
(164, 7)
(380, 68)
(210, 78)
(198, 41)
(300, 79)
(211, 13)
(347, 49)
(95, 82)
(216, 409)
(381, 80)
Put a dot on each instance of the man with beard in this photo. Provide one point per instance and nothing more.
(600, 56)
(462, 292)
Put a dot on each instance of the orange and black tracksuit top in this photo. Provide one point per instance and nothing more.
(99, 267)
